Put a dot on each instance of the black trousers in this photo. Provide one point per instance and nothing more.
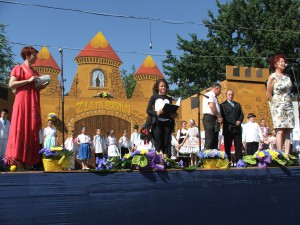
(162, 131)
(252, 147)
(211, 136)
(124, 151)
(237, 138)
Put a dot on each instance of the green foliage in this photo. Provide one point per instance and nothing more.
(140, 160)
(128, 81)
(244, 33)
(250, 159)
(6, 57)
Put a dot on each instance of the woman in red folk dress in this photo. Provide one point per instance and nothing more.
(23, 141)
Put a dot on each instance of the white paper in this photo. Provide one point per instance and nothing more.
(42, 79)
(178, 101)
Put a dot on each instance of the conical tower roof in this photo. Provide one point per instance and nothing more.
(149, 68)
(100, 48)
(45, 59)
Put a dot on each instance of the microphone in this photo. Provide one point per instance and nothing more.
(60, 50)
(290, 64)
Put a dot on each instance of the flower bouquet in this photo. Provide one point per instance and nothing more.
(55, 158)
(268, 157)
(146, 159)
(214, 159)
(104, 95)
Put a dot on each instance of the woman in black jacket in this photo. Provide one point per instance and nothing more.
(162, 122)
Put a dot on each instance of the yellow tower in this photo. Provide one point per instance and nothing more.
(146, 76)
(98, 70)
(45, 64)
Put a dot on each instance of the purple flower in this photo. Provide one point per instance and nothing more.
(151, 154)
(134, 153)
(159, 167)
(241, 164)
(262, 164)
(200, 155)
(268, 159)
(180, 163)
(158, 159)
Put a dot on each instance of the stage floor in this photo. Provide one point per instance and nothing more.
(210, 196)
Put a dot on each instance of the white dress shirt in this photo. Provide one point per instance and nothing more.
(252, 132)
(205, 103)
(4, 128)
(135, 138)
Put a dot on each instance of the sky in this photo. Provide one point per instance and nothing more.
(130, 38)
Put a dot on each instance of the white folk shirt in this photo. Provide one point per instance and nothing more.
(125, 142)
(4, 128)
(99, 143)
(205, 103)
(135, 137)
(83, 138)
(252, 133)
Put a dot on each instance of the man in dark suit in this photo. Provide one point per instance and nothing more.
(233, 117)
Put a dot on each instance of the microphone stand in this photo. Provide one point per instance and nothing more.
(298, 94)
(62, 95)
(199, 123)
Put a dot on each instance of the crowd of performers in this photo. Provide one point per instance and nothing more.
(224, 129)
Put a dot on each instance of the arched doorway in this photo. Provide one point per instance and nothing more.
(105, 123)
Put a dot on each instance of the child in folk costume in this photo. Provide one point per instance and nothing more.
(124, 143)
(182, 132)
(190, 144)
(4, 131)
(111, 142)
(99, 144)
(50, 137)
(71, 145)
(252, 135)
(135, 136)
(146, 140)
(84, 151)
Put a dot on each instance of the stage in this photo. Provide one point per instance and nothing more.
(222, 196)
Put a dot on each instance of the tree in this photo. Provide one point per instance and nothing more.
(244, 33)
(128, 81)
(6, 57)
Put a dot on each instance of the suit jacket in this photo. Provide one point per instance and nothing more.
(230, 115)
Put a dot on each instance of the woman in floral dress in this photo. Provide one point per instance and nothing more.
(279, 94)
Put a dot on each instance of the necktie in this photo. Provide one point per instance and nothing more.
(231, 103)
(4, 122)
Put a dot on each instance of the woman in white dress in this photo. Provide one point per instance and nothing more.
(190, 144)
(50, 137)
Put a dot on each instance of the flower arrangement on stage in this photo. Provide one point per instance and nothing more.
(268, 157)
(55, 158)
(104, 95)
(146, 159)
(214, 158)
(55, 153)
(52, 116)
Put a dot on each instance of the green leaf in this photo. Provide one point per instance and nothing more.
(280, 161)
(126, 164)
(250, 159)
(293, 157)
(190, 168)
(140, 160)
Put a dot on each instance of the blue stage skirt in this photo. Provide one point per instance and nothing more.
(84, 151)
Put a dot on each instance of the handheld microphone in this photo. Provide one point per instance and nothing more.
(290, 65)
